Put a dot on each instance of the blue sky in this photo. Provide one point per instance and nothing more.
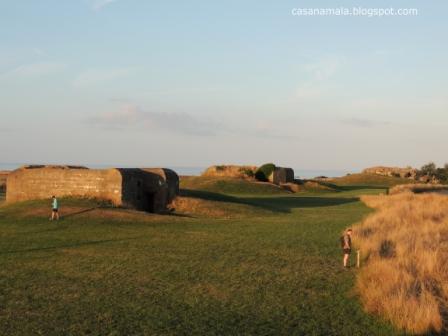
(177, 83)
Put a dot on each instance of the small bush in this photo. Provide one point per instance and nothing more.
(263, 172)
(387, 249)
(247, 172)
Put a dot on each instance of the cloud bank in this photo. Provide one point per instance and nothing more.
(132, 117)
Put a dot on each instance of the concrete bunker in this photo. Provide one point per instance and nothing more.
(282, 175)
(146, 189)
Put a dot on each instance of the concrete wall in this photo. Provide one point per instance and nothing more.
(43, 182)
(143, 190)
(282, 175)
(146, 189)
(3, 177)
(170, 181)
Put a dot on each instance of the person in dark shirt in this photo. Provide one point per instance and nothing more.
(346, 244)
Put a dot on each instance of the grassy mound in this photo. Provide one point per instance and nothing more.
(228, 185)
(209, 205)
(314, 185)
(230, 171)
(371, 180)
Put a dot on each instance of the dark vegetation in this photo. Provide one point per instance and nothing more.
(435, 173)
(263, 172)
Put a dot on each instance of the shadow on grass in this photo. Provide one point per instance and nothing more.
(80, 212)
(283, 204)
(79, 244)
(359, 187)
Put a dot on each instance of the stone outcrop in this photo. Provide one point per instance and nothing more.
(408, 172)
(147, 189)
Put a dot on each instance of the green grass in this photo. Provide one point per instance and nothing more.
(230, 186)
(94, 273)
(368, 181)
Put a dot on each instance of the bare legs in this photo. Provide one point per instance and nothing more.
(346, 259)
(54, 215)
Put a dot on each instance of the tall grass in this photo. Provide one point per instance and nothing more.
(418, 188)
(406, 275)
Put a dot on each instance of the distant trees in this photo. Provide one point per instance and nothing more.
(432, 172)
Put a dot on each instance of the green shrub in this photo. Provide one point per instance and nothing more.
(263, 172)
(247, 171)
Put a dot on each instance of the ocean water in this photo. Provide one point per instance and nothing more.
(196, 171)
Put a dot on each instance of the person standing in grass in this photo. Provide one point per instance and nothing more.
(55, 207)
(346, 244)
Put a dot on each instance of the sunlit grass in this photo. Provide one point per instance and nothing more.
(108, 271)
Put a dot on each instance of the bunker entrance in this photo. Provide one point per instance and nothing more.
(149, 204)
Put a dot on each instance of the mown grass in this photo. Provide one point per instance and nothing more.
(369, 181)
(230, 185)
(103, 271)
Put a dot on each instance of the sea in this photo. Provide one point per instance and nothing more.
(196, 171)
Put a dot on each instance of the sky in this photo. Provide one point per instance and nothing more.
(196, 83)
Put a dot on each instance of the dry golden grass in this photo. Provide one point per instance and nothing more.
(406, 275)
(230, 171)
(417, 188)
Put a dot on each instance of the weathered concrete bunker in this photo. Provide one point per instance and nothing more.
(282, 175)
(147, 189)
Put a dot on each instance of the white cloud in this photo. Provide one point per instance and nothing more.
(99, 76)
(133, 116)
(35, 69)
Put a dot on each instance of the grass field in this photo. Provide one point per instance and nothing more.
(104, 271)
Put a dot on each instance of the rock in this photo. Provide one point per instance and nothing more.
(408, 172)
